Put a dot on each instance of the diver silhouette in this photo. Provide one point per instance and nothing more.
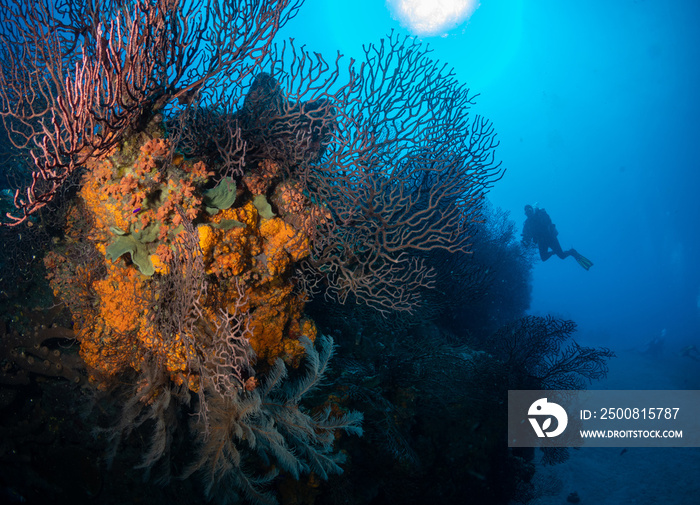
(690, 351)
(655, 347)
(538, 228)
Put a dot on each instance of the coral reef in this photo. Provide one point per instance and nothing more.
(495, 279)
(139, 206)
(181, 283)
(219, 184)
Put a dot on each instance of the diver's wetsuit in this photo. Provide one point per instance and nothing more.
(539, 228)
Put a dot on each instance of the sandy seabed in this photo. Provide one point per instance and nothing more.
(601, 476)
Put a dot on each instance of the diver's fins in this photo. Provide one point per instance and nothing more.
(582, 260)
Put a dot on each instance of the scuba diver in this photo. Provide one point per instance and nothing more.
(690, 351)
(538, 228)
(655, 347)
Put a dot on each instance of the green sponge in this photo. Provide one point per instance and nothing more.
(139, 253)
(220, 197)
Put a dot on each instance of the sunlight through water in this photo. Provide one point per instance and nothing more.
(431, 17)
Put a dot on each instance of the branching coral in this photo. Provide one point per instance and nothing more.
(533, 350)
(78, 77)
(400, 167)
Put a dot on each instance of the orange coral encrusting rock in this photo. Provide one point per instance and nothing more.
(230, 251)
(137, 202)
(299, 210)
(282, 245)
(262, 177)
(107, 341)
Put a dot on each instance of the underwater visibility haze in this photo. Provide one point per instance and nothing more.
(298, 252)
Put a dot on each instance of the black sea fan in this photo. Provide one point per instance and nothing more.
(534, 351)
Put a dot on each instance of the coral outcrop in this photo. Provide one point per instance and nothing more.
(180, 275)
(138, 200)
